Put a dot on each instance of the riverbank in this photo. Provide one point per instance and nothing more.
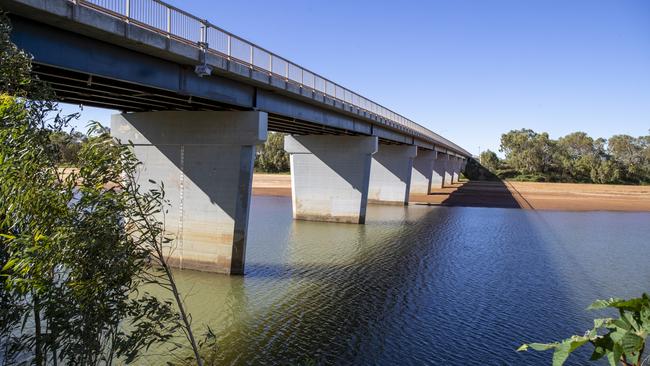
(526, 195)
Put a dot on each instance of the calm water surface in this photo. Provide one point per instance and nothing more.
(418, 285)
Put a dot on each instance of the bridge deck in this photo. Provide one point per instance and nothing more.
(110, 54)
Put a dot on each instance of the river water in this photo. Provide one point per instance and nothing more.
(418, 285)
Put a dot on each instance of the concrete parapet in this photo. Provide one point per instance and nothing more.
(205, 160)
(390, 174)
(330, 176)
(422, 174)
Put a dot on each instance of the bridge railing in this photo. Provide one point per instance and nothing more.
(175, 23)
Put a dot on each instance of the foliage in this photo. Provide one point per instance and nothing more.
(576, 157)
(490, 160)
(75, 249)
(271, 157)
(624, 338)
(67, 145)
(527, 151)
(475, 171)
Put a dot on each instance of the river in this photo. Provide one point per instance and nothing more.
(418, 285)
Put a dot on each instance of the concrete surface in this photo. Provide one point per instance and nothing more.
(438, 174)
(449, 166)
(330, 176)
(422, 174)
(390, 174)
(205, 160)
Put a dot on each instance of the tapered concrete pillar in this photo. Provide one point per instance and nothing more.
(205, 160)
(330, 176)
(456, 169)
(438, 174)
(449, 166)
(390, 174)
(422, 174)
(461, 167)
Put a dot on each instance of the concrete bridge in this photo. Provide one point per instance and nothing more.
(196, 100)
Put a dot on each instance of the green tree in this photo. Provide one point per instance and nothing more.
(271, 157)
(490, 160)
(607, 172)
(527, 151)
(577, 156)
(74, 250)
(631, 154)
(67, 145)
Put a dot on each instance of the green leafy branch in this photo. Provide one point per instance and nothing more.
(624, 338)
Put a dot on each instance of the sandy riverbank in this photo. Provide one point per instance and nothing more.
(527, 195)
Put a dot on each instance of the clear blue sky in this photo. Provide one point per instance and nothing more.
(469, 70)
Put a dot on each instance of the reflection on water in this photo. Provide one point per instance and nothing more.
(417, 285)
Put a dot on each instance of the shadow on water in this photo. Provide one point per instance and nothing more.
(415, 285)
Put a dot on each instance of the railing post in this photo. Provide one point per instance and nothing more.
(169, 21)
(203, 37)
(127, 9)
(251, 56)
(229, 39)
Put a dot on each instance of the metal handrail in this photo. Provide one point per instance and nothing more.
(160, 17)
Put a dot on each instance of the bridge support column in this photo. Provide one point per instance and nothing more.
(456, 170)
(205, 160)
(438, 174)
(449, 166)
(423, 172)
(330, 176)
(390, 174)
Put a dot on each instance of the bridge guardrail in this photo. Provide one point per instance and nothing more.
(173, 22)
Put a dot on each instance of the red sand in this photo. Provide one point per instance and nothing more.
(527, 195)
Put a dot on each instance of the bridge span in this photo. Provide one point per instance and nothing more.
(196, 100)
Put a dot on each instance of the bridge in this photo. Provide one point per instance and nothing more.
(196, 100)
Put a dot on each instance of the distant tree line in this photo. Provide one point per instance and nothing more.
(576, 157)
(67, 146)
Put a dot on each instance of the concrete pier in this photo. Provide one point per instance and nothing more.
(438, 174)
(205, 160)
(456, 169)
(330, 176)
(449, 173)
(423, 172)
(390, 174)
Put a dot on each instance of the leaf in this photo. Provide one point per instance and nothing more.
(633, 305)
(602, 304)
(566, 347)
(631, 343)
(10, 263)
(602, 346)
(537, 346)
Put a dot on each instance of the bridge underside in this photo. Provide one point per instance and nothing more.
(209, 161)
(86, 71)
(96, 91)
